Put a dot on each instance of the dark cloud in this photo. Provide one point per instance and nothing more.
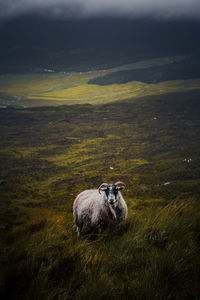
(67, 9)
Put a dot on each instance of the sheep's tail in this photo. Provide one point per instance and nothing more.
(75, 215)
(75, 212)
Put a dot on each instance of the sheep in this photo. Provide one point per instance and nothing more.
(95, 209)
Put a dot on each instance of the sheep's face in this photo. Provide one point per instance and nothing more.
(111, 193)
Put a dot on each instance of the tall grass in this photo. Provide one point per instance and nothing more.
(152, 255)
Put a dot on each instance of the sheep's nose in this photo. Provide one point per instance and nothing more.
(111, 201)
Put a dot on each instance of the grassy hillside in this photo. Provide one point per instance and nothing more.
(47, 90)
(146, 77)
(50, 154)
(174, 68)
(20, 60)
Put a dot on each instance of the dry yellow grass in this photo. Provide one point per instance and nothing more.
(72, 88)
(28, 84)
(94, 94)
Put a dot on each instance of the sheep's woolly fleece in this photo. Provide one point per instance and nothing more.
(91, 208)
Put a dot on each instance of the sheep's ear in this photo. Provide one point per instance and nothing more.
(121, 188)
(103, 189)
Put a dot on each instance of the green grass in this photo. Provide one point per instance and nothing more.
(50, 154)
(47, 89)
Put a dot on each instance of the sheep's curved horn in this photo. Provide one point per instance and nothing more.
(103, 184)
(120, 183)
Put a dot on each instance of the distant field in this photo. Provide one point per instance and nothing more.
(95, 94)
(73, 88)
(177, 68)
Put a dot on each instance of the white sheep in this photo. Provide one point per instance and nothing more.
(94, 209)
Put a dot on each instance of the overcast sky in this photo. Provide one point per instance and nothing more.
(59, 9)
(72, 24)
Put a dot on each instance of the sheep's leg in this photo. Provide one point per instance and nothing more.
(98, 228)
(78, 230)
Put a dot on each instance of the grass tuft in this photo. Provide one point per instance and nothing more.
(36, 223)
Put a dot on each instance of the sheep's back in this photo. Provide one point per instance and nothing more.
(89, 207)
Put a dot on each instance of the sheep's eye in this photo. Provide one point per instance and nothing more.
(107, 191)
(115, 191)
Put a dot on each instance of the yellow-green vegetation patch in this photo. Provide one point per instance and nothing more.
(94, 94)
(29, 85)
(21, 85)
(73, 88)
(89, 155)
